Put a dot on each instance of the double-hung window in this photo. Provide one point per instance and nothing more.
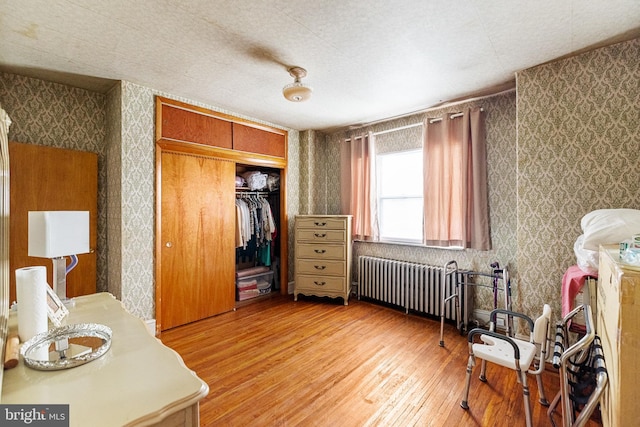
(452, 212)
(400, 198)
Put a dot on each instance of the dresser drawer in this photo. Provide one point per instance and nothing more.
(308, 235)
(320, 283)
(320, 267)
(321, 251)
(321, 223)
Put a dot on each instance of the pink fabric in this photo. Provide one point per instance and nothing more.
(455, 182)
(251, 271)
(357, 189)
(572, 282)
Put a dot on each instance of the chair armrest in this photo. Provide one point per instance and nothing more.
(480, 331)
(494, 313)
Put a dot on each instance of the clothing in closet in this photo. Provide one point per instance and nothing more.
(255, 226)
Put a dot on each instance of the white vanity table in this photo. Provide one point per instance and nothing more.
(138, 382)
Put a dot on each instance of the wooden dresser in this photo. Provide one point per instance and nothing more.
(323, 256)
(618, 325)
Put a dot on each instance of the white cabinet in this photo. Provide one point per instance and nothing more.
(138, 382)
(323, 256)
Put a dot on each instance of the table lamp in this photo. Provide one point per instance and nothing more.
(56, 235)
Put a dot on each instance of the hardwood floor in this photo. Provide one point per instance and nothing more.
(316, 362)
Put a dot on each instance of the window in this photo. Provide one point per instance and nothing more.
(388, 201)
(399, 187)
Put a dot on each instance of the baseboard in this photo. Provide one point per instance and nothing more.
(151, 326)
(482, 317)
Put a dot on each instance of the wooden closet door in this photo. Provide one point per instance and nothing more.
(49, 179)
(197, 278)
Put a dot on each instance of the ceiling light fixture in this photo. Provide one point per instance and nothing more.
(297, 91)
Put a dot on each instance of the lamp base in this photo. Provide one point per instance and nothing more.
(60, 277)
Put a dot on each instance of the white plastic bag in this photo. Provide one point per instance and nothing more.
(255, 180)
(587, 259)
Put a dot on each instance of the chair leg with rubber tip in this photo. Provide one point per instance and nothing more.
(465, 396)
(525, 396)
(543, 397)
(483, 371)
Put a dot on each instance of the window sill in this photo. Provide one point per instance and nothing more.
(413, 244)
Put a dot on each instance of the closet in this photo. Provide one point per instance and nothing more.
(207, 165)
(257, 228)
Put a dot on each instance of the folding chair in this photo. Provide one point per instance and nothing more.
(583, 373)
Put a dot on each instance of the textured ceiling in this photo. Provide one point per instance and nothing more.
(366, 60)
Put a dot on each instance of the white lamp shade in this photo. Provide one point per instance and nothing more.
(54, 234)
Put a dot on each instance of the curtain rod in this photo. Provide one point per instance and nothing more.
(439, 119)
(453, 116)
(398, 129)
(438, 107)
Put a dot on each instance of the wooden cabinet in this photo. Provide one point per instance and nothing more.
(181, 124)
(184, 123)
(198, 152)
(256, 140)
(323, 256)
(618, 325)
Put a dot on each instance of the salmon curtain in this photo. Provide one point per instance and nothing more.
(358, 189)
(456, 212)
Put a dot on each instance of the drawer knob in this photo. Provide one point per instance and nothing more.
(319, 251)
(320, 234)
(320, 267)
(320, 283)
(320, 224)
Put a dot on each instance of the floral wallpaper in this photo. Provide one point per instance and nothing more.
(578, 150)
(113, 143)
(61, 116)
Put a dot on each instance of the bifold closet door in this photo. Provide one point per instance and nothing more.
(197, 238)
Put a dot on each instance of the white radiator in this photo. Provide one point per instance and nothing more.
(412, 286)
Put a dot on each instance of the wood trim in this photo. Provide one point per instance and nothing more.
(158, 241)
(284, 235)
(221, 153)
